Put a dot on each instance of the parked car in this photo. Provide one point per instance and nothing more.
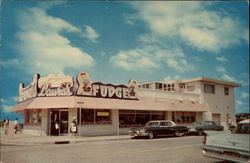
(231, 146)
(201, 126)
(158, 128)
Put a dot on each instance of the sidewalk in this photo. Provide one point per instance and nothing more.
(22, 139)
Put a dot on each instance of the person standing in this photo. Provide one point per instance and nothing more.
(6, 125)
(16, 125)
(73, 126)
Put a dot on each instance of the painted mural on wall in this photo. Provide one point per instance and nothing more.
(30, 91)
(63, 85)
(55, 85)
(84, 84)
(97, 89)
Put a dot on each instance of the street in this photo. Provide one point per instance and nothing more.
(161, 150)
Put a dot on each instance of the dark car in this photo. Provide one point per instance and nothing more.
(158, 128)
(202, 126)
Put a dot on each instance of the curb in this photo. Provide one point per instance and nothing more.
(59, 142)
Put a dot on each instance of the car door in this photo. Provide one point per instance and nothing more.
(155, 128)
(163, 128)
(210, 126)
(170, 128)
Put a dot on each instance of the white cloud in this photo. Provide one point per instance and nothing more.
(43, 49)
(49, 4)
(229, 78)
(193, 23)
(197, 59)
(7, 108)
(133, 60)
(2, 100)
(225, 76)
(149, 57)
(245, 95)
(220, 69)
(222, 59)
(90, 33)
(9, 62)
(172, 78)
(238, 102)
(7, 103)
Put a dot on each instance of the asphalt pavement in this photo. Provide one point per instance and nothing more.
(161, 150)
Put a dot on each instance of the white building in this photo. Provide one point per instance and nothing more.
(108, 109)
(216, 95)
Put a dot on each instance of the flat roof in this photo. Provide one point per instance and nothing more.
(203, 79)
(211, 80)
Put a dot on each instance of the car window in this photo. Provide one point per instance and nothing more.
(152, 124)
(209, 123)
(243, 128)
(199, 123)
(169, 124)
(163, 124)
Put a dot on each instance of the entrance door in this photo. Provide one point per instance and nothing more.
(54, 119)
(63, 122)
(58, 122)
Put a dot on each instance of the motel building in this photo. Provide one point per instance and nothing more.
(110, 109)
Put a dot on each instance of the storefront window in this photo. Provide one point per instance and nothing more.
(103, 117)
(33, 117)
(95, 116)
(183, 117)
(133, 118)
(87, 116)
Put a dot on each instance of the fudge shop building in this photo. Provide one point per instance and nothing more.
(49, 104)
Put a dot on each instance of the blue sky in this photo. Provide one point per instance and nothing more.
(117, 41)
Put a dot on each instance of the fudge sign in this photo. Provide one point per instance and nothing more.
(98, 89)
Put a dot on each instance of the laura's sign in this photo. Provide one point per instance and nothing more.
(55, 85)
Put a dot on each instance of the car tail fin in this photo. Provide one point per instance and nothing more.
(204, 140)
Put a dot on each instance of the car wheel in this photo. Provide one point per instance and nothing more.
(200, 132)
(178, 133)
(151, 135)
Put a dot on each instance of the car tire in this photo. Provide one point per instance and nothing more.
(151, 135)
(200, 132)
(179, 134)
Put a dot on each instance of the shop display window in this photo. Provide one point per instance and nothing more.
(133, 118)
(103, 116)
(95, 116)
(33, 117)
(183, 117)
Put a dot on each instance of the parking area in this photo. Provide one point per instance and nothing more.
(160, 150)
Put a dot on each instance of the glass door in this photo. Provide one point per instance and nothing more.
(63, 122)
(54, 122)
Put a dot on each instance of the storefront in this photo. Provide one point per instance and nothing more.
(49, 105)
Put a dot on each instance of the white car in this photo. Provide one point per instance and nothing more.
(226, 145)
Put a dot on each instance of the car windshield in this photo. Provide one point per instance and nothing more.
(205, 123)
(243, 128)
(200, 123)
(152, 124)
(209, 123)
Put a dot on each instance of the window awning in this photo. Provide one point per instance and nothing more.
(107, 103)
(22, 105)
